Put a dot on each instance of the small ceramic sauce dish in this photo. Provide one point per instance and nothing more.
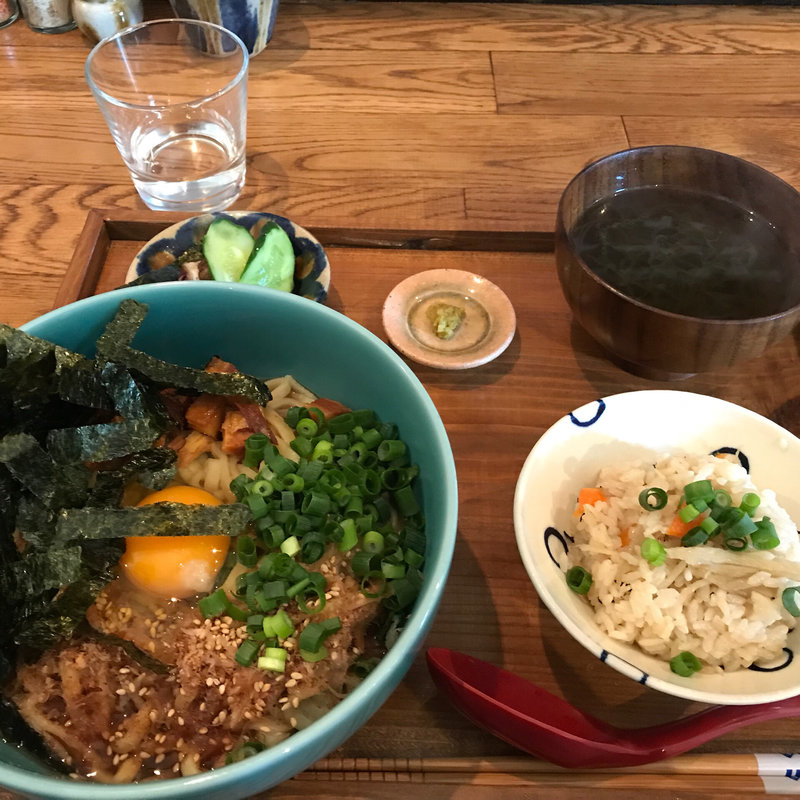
(449, 318)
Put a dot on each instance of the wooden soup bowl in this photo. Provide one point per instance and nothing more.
(645, 340)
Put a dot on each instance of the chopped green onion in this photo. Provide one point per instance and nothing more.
(371, 438)
(312, 656)
(765, 536)
(689, 512)
(312, 547)
(750, 502)
(373, 584)
(290, 546)
(257, 505)
(214, 604)
(361, 563)
(342, 423)
(789, 598)
(735, 543)
(246, 652)
(710, 526)
(373, 542)
(391, 570)
(244, 751)
(302, 446)
(234, 612)
(274, 659)
(685, 664)
(323, 451)
(350, 538)
(653, 552)
(279, 624)
(390, 449)
(254, 449)
(698, 490)
(292, 482)
(653, 499)
(294, 415)
(315, 633)
(406, 502)
(321, 601)
(316, 503)
(298, 587)
(739, 528)
(261, 486)
(307, 428)
(579, 580)
(239, 486)
(246, 551)
(696, 536)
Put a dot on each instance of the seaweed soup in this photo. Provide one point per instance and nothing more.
(690, 253)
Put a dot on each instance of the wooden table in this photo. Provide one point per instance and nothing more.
(464, 117)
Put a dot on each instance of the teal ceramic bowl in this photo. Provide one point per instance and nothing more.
(266, 333)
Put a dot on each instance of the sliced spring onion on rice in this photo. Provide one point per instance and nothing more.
(685, 664)
(579, 580)
(789, 598)
(653, 552)
(765, 537)
(695, 537)
(653, 499)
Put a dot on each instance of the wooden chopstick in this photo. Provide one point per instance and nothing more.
(737, 773)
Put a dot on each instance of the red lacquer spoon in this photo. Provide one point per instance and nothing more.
(548, 727)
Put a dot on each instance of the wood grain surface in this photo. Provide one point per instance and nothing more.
(462, 116)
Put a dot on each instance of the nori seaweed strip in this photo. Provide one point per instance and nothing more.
(102, 442)
(158, 519)
(122, 328)
(232, 384)
(33, 368)
(29, 364)
(41, 625)
(131, 399)
(154, 469)
(38, 572)
(113, 346)
(169, 272)
(18, 733)
(9, 499)
(56, 486)
(35, 522)
(45, 627)
(132, 651)
(78, 381)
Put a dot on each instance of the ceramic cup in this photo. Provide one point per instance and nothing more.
(251, 20)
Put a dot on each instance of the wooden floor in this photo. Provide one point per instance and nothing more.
(411, 114)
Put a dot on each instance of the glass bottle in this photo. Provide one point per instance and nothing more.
(98, 19)
(9, 11)
(48, 16)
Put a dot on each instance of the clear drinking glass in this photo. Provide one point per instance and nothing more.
(174, 95)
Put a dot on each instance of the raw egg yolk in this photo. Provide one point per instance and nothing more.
(175, 566)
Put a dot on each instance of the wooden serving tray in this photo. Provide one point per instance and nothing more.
(494, 414)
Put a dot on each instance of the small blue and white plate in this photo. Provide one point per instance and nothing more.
(634, 426)
(312, 275)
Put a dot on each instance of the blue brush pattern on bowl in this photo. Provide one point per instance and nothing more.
(271, 333)
(312, 276)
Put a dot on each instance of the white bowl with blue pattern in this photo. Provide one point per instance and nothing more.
(633, 426)
(312, 275)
